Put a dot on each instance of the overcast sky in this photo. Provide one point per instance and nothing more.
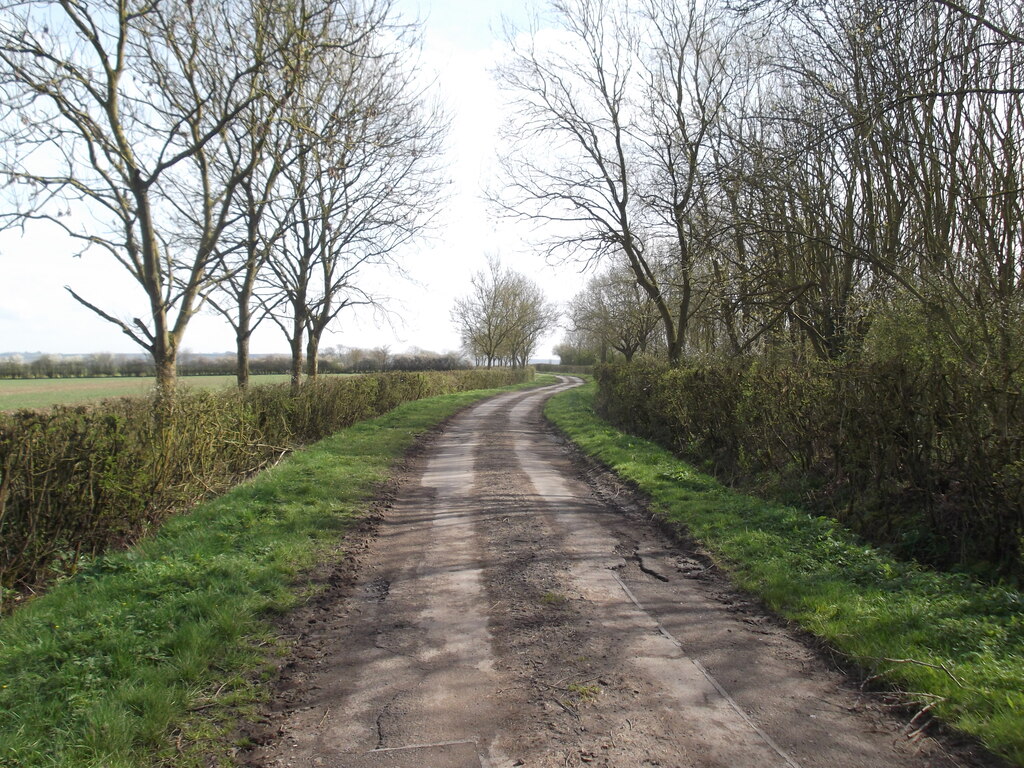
(461, 44)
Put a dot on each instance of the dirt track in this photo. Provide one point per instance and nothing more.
(508, 610)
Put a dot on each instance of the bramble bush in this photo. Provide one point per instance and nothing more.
(926, 458)
(75, 480)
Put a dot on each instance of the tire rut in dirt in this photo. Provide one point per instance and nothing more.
(578, 699)
(535, 625)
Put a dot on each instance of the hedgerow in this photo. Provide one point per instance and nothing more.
(75, 480)
(924, 458)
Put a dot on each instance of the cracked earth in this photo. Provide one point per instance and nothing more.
(513, 606)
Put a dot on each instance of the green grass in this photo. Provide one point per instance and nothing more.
(157, 646)
(873, 609)
(42, 393)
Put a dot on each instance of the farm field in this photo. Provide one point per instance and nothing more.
(42, 393)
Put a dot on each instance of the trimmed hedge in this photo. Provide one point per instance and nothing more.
(75, 480)
(578, 370)
(927, 460)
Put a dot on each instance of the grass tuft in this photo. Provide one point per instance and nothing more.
(958, 644)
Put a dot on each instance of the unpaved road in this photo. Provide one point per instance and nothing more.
(507, 610)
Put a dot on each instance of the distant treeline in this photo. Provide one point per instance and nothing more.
(340, 360)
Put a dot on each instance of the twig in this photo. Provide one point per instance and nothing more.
(942, 667)
(208, 701)
(918, 733)
(568, 709)
(922, 712)
(911, 696)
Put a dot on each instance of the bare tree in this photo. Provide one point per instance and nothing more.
(113, 113)
(890, 173)
(532, 315)
(503, 317)
(266, 147)
(689, 75)
(614, 313)
(364, 184)
(483, 318)
(611, 146)
(388, 182)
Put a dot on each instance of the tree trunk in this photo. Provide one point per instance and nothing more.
(242, 358)
(295, 342)
(166, 378)
(313, 355)
(243, 331)
(675, 350)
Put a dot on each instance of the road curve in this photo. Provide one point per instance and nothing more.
(508, 610)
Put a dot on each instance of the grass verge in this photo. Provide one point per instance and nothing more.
(147, 656)
(954, 645)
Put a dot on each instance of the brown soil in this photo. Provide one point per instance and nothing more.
(511, 605)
